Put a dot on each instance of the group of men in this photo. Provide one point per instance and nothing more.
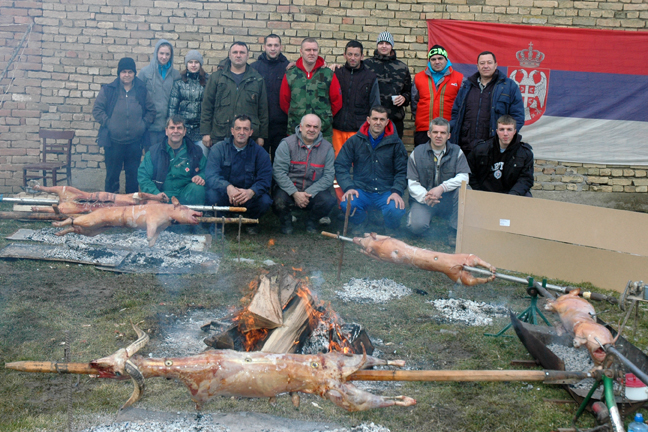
(319, 124)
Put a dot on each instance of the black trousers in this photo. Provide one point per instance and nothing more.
(318, 206)
(421, 137)
(276, 132)
(400, 127)
(126, 156)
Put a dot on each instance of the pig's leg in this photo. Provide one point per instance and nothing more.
(66, 222)
(153, 230)
(42, 209)
(351, 398)
(373, 361)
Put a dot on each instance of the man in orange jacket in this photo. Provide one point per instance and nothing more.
(433, 92)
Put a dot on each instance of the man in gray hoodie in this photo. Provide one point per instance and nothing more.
(303, 171)
(159, 77)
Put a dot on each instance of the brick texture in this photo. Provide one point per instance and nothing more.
(74, 47)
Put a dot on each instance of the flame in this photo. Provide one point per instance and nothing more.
(297, 269)
(271, 242)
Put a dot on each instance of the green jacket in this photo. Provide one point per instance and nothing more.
(223, 101)
(179, 174)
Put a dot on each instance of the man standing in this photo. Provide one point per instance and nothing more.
(272, 67)
(303, 172)
(159, 77)
(483, 98)
(394, 80)
(503, 163)
(175, 167)
(379, 162)
(359, 93)
(433, 92)
(234, 90)
(124, 109)
(239, 173)
(434, 174)
(310, 88)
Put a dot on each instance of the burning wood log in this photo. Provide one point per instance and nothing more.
(285, 339)
(264, 311)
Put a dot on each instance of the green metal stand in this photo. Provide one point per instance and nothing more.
(530, 314)
(608, 391)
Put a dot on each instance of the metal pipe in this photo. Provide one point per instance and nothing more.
(337, 236)
(513, 278)
(635, 370)
(217, 208)
(26, 200)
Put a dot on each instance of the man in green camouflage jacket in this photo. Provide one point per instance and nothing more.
(394, 80)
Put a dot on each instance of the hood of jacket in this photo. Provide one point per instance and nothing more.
(318, 64)
(317, 141)
(389, 130)
(154, 60)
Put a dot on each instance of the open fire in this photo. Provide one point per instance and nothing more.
(282, 315)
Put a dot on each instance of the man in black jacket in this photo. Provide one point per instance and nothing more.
(125, 110)
(271, 65)
(503, 163)
(379, 162)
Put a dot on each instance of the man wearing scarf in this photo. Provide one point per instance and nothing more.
(433, 92)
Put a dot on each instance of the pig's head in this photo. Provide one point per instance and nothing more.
(183, 214)
(590, 334)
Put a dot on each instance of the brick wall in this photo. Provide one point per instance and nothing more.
(74, 47)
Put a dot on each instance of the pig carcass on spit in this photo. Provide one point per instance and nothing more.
(155, 218)
(75, 201)
(252, 374)
(578, 317)
(395, 251)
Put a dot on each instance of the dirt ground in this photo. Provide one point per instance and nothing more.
(43, 303)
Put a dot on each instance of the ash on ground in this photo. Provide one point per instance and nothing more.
(366, 290)
(171, 251)
(579, 360)
(182, 336)
(132, 240)
(207, 424)
(468, 312)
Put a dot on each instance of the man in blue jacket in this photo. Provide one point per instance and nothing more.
(379, 162)
(239, 172)
(483, 98)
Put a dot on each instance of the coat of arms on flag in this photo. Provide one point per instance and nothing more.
(533, 83)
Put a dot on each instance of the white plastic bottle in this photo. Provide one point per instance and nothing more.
(638, 424)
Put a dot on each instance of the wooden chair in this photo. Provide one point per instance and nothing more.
(54, 165)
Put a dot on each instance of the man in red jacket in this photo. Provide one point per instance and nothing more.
(310, 88)
(433, 92)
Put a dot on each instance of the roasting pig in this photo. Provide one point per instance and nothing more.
(155, 218)
(75, 201)
(578, 317)
(252, 374)
(395, 251)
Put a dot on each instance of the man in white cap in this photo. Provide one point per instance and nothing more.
(394, 79)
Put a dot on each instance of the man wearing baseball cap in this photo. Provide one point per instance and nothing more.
(394, 79)
(433, 92)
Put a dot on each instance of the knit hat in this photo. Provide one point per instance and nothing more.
(386, 37)
(194, 55)
(437, 50)
(126, 63)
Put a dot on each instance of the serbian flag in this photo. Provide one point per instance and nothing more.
(585, 91)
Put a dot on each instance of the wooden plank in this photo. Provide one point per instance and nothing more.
(264, 311)
(295, 321)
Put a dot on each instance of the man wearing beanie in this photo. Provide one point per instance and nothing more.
(434, 92)
(394, 79)
(483, 98)
(125, 110)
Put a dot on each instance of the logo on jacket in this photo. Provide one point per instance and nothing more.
(497, 169)
(533, 82)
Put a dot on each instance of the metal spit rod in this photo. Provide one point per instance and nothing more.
(513, 278)
(48, 201)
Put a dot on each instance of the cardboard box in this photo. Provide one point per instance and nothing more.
(570, 242)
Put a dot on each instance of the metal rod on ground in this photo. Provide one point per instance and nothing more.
(344, 233)
(547, 376)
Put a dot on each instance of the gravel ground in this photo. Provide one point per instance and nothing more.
(468, 312)
(366, 290)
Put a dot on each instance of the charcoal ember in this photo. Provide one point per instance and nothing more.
(468, 312)
(579, 360)
(366, 290)
(354, 335)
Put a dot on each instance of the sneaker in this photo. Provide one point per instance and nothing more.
(252, 230)
(325, 220)
(310, 227)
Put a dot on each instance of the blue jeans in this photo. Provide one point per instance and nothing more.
(365, 200)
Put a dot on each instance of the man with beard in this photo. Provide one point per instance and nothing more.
(272, 67)
(394, 80)
(503, 163)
